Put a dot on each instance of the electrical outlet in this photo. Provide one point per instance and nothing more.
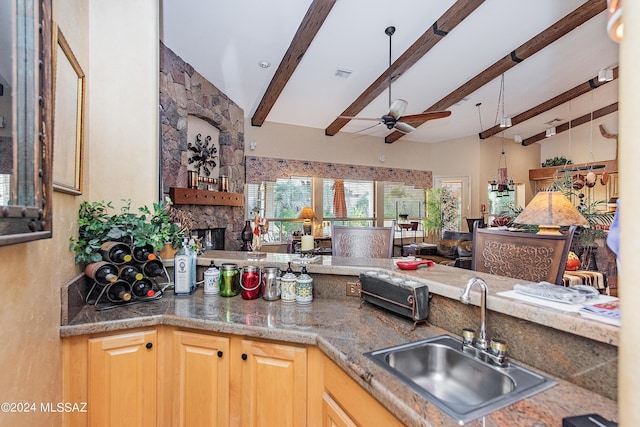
(353, 289)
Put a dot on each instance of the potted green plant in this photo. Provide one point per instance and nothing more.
(98, 224)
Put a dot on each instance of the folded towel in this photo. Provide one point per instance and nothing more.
(574, 295)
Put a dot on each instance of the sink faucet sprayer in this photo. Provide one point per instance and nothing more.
(495, 350)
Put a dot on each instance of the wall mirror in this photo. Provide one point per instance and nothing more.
(26, 120)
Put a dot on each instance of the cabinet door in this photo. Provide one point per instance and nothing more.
(201, 380)
(333, 415)
(274, 384)
(357, 404)
(121, 388)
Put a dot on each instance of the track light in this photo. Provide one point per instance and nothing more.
(550, 132)
(605, 75)
(517, 138)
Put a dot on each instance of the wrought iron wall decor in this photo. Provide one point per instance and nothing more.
(204, 155)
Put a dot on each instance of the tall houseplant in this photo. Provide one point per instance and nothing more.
(441, 212)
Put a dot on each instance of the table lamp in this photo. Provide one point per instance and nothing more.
(550, 210)
(308, 215)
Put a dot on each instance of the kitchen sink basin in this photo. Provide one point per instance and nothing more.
(455, 381)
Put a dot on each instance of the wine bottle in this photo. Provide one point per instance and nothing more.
(119, 291)
(143, 288)
(143, 253)
(102, 272)
(115, 252)
(152, 268)
(130, 273)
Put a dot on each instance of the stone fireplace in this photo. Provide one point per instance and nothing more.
(184, 93)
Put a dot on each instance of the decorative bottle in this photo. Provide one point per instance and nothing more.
(288, 286)
(184, 270)
(304, 287)
(212, 280)
(246, 236)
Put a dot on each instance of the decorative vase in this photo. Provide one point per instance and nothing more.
(246, 236)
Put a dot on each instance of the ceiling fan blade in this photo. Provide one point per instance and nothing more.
(358, 118)
(404, 127)
(423, 117)
(396, 110)
(367, 128)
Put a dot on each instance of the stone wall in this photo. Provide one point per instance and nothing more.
(184, 92)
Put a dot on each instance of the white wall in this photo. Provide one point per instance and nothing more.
(123, 149)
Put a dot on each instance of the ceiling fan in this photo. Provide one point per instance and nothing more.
(395, 119)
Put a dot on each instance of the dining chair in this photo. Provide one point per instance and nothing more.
(521, 255)
(362, 242)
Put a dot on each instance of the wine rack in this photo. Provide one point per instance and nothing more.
(99, 295)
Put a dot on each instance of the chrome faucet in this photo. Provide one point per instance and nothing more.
(494, 350)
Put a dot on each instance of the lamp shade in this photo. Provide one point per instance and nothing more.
(550, 210)
(307, 213)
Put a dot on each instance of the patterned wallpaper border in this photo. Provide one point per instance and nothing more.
(260, 169)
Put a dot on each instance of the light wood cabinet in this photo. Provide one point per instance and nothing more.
(273, 385)
(200, 379)
(333, 415)
(173, 377)
(346, 403)
(121, 380)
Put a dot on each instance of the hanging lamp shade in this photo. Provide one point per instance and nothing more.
(550, 210)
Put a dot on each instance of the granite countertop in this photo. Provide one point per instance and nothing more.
(344, 330)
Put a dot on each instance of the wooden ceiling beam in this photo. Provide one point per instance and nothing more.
(309, 27)
(543, 39)
(551, 103)
(611, 108)
(445, 24)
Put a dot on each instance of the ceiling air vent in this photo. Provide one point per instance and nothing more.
(342, 73)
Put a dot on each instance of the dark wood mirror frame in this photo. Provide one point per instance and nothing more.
(22, 223)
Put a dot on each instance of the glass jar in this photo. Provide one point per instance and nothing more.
(229, 280)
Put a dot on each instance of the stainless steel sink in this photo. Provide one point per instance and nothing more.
(458, 383)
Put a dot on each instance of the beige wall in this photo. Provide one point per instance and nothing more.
(116, 44)
(302, 143)
(629, 156)
(585, 140)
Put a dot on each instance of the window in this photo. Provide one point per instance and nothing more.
(343, 201)
(348, 200)
(401, 199)
(280, 203)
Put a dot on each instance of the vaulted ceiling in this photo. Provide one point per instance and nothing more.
(446, 55)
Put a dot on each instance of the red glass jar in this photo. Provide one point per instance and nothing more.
(250, 281)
